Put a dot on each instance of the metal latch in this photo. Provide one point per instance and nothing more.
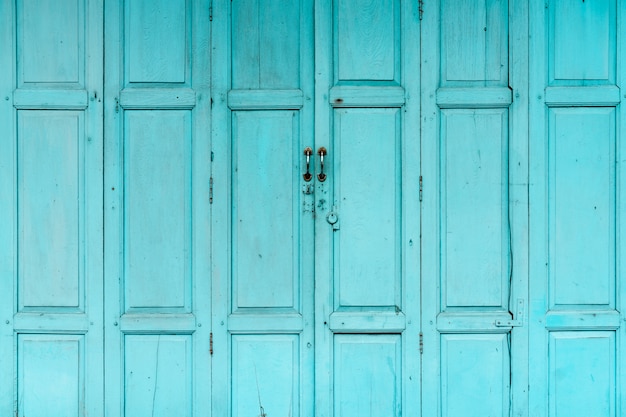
(519, 317)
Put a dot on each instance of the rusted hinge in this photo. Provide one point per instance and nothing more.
(211, 343)
(421, 9)
(211, 190)
(421, 188)
(421, 343)
(211, 13)
(518, 320)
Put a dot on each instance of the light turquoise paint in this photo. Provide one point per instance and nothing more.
(162, 254)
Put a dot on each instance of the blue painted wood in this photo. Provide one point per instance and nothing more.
(210, 228)
(575, 209)
(51, 239)
(157, 159)
(262, 217)
(474, 229)
(367, 262)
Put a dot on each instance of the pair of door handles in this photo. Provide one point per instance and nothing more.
(307, 175)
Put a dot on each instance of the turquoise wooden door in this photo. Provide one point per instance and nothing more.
(157, 247)
(577, 207)
(51, 73)
(475, 215)
(367, 243)
(262, 211)
(316, 280)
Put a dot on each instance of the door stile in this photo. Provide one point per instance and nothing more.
(8, 267)
(430, 215)
(323, 259)
(220, 207)
(411, 208)
(518, 203)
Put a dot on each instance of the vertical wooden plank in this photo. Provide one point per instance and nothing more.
(112, 209)
(8, 266)
(518, 198)
(620, 208)
(220, 171)
(323, 287)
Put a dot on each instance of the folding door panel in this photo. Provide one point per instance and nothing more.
(157, 209)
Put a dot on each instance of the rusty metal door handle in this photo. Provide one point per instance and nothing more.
(307, 175)
(321, 152)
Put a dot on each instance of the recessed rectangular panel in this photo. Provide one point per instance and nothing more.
(367, 40)
(474, 228)
(51, 375)
(475, 372)
(367, 179)
(51, 41)
(157, 41)
(367, 375)
(157, 196)
(582, 40)
(265, 376)
(265, 44)
(474, 36)
(266, 209)
(51, 211)
(582, 205)
(158, 375)
(582, 374)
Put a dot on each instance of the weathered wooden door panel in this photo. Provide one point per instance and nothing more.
(51, 186)
(577, 202)
(157, 314)
(263, 208)
(474, 219)
(367, 210)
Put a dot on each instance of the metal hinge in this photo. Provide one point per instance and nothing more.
(421, 343)
(518, 320)
(211, 13)
(421, 8)
(421, 188)
(211, 343)
(211, 190)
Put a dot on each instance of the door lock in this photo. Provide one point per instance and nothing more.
(333, 219)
